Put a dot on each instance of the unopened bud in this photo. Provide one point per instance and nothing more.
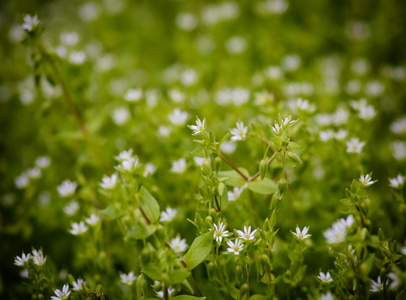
(142, 286)
(239, 274)
(209, 220)
(294, 157)
(217, 163)
(211, 270)
(220, 188)
(263, 168)
(243, 290)
(206, 167)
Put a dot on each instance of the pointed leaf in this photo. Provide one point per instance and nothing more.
(199, 250)
(149, 205)
(234, 179)
(266, 186)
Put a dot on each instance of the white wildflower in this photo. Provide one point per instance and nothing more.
(247, 234)
(133, 95)
(326, 296)
(235, 193)
(62, 295)
(367, 112)
(38, 257)
(77, 57)
(341, 134)
(326, 135)
(128, 279)
(120, 115)
(186, 21)
(176, 96)
(67, 188)
(301, 235)
(179, 166)
(21, 261)
(109, 183)
(178, 245)
(161, 293)
(71, 208)
(347, 223)
(30, 22)
(325, 278)
(149, 169)
(395, 276)
(376, 286)
(128, 165)
(188, 77)
(399, 150)
(228, 147)
(336, 234)
(236, 45)
(69, 38)
(93, 220)
(235, 247)
(22, 181)
(399, 126)
(178, 117)
(168, 215)
(43, 162)
(200, 126)
(397, 182)
(366, 180)
(78, 285)
(354, 145)
(125, 155)
(239, 133)
(220, 232)
(78, 229)
(164, 131)
(24, 273)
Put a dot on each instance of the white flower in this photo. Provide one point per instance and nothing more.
(399, 150)
(397, 182)
(178, 117)
(235, 194)
(128, 279)
(125, 155)
(43, 162)
(347, 223)
(235, 247)
(69, 38)
(78, 229)
(220, 232)
(22, 181)
(77, 57)
(399, 126)
(288, 121)
(188, 77)
(263, 98)
(336, 234)
(236, 45)
(276, 129)
(24, 273)
(133, 95)
(168, 215)
(355, 146)
(129, 164)
(38, 257)
(199, 160)
(228, 147)
(149, 169)
(21, 261)
(186, 21)
(30, 22)
(178, 245)
(394, 276)
(71, 208)
(93, 220)
(239, 133)
(67, 188)
(366, 180)
(376, 286)
(326, 135)
(164, 131)
(120, 115)
(200, 127)
(326, 296)
(325, 278)
(367, 112)
(341, 134)
(78, 285)
(62, 295)
(403, 250)
(179, 166)
(161, 293)
(247, 234)
(109, 183)
(291, 62)
(176, 96)
(301, 235)
(340, 117)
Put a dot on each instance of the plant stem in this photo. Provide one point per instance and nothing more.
(267, 165)
(221, 155)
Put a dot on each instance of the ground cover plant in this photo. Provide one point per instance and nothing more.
(203, 149)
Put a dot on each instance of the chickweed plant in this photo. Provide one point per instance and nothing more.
(203, 150)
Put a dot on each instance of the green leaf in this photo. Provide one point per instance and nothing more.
(187, 297)
(199, 250)
(153, 272)
(294, 146)
(199, 152)
(258, 297)
(141, 232)
(234, 179)
(149, 205)
(111, 212)
(177, 276)
(224, 199)
(266, 186)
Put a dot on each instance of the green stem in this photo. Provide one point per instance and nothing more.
(221, 155)
(267, 165)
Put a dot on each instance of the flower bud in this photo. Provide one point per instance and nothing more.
(220, 188)
(294, 157)
(243, 290)
(206, 168)
(142, 286)
(217, 163)
(263, 167)
(209, 220)
(211, 270)
(239, 274)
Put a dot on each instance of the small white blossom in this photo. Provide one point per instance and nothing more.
(30, 22)
(43, 162)
(199, 161)
(62, 295)
(355, 146)
(399, 126)
(128, 279)
(396, 279)
(325, 278)
(176, 96)
(69, 38)
(168, 215)
(71, 208)
(78, 285)
(188, 77)
(109, 183)
(22, 181)
(341, 117)
(347, 223)
(341, 134)
(128, 165)
(21, 261)
(67, 188)
(120, 115)
(161, 293)
(247, 234)
(301, 235)
(179, 166)
(403, 250)
(125, 155)
(336, 234)
(376, 286)
(133, 95)
(178, 117)
(239, 133)
(93, 220)
(77, 57)
(200, 127)
(24, 273)
(326, 296)
(399, 150)
(235, 194)
(288, 121)
(235, 247)
(150, 169)
(228, 147)
(78, 229)
(367, 112)
(164, 131)
(397, 182)
(178, 245)
(220, 232)
(276, 129)
(366, 180)
(38, 257)
(326, 135)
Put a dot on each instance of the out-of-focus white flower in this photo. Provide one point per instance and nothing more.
(273, 72)
(161, 293)
(397, 182)
(120, 115)
(124, 155)
(77, 57)
(374, 88)
(353, 86)
(395, 276)
(24, 273)
(236, 96)
(34, 172)
(179, 166)
(239, 133)
(277, 129)
(188, 77)
(78, 229)
(178, 245)
(71, 208)
(263, 98)
(22, 181)
(367, 112)
(301, 235)
(43, 162)
(340, 117)
(186, 21)
(176, 96)
(205, 45)
(236, 45)
(291, 62)
(325, 278)
(347, 223)
(200, 127)
(235, 247)
(38, 257)
(326, 135)
(272, 7)
(399, 126)
(150, 169)
(69, 38)
(236, 193)
(93, 220)
(133, 95)
(168, 215)
(354, 145)
(300, 104)
(89, 11)
(377, 285)
(178, 117)
(30, 23)
(128, 279)
(129, 165)
(341, 134)
(67, 188)
(366, 180)
(326, 296)
(164, 131)
(213, 14)
(199, 161)
(336, 234)
(23, 260)
(360, 66)
(109, 183)
(399, 150)
(219, 232)
(78, 285)
(62, 295)
(247, 234)
(228, 147)
(324, 119)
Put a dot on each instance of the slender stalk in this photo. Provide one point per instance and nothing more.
(217, 203)
(145, 216)
(267, 164)
(221, 155)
